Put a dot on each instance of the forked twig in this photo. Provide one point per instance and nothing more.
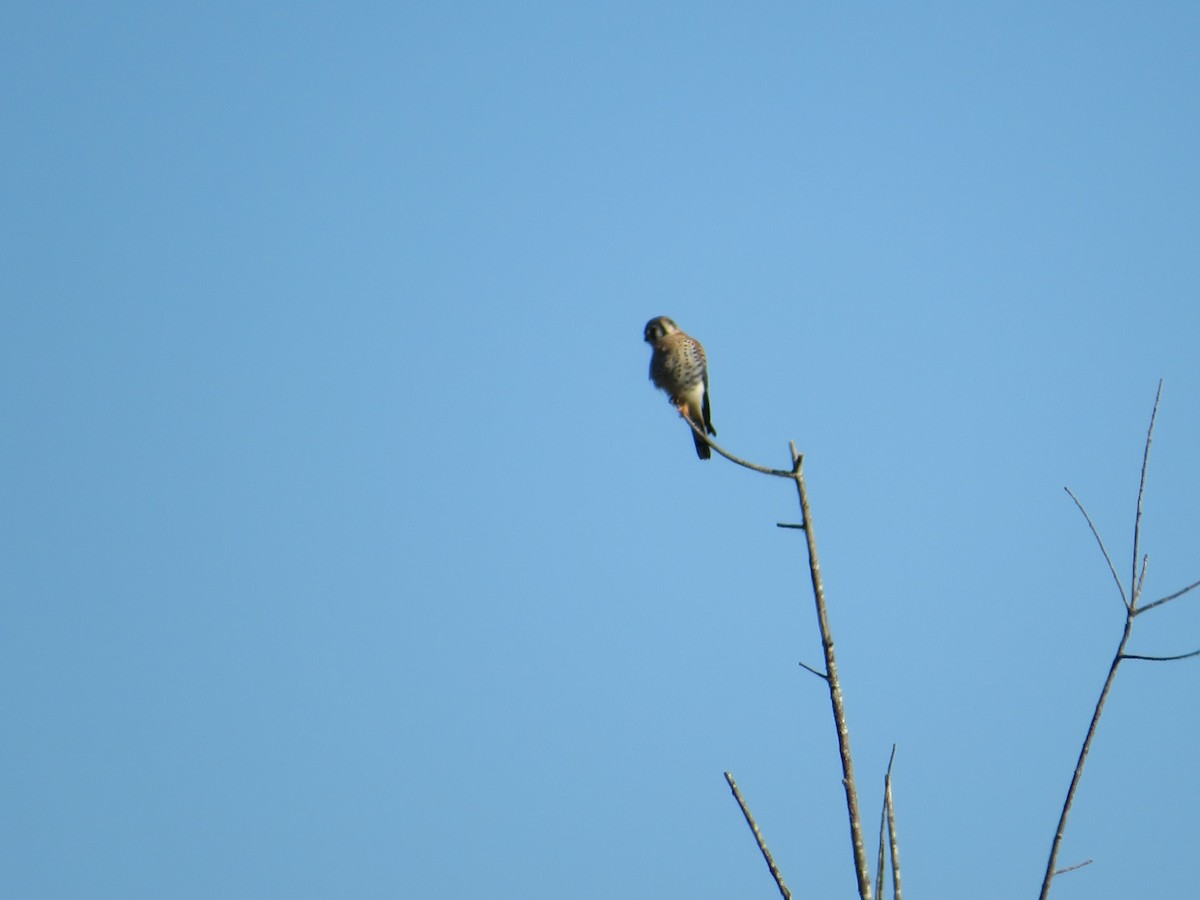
(893, 840)
(887, 825)
(1131, 610)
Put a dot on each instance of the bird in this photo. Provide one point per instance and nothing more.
(678, 366)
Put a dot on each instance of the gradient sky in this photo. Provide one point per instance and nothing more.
(349, 552)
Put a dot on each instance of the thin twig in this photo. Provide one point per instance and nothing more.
(758, 838)
(816, 672)
(1086, 862)
(1103, 549)
(1137, 519)
(766, 470)
(890, 806)
(1168, 599)
(1161, 658)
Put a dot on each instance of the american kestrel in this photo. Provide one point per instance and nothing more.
(679, 368)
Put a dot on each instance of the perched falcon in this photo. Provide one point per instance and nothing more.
(678, 367)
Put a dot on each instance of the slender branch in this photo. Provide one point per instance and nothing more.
(1135, 588)
(890, 806)
(861, 865)
(1161, 658)
(1083, 752)
(1137, 519)
(1103, 549)
(755, 467)
(758, 838)
(1168, 599)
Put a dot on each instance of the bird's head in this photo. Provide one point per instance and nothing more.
(658, 328)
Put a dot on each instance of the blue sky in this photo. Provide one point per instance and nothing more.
(349, 551)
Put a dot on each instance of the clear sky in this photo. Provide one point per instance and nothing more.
(349, 552)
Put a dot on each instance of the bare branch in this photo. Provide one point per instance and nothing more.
(1168, 599)
(1103, 549)
(1160, 658)
(758, 838)
(754, 467)
(861, 865)
(1137, 521)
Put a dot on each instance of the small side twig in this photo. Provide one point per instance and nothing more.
(758, 838)
(1141, 580)
(1168, 599)
(1160, 658)
(816, 672)
(1086, 862)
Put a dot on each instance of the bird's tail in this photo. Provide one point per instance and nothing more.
(702, 449)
